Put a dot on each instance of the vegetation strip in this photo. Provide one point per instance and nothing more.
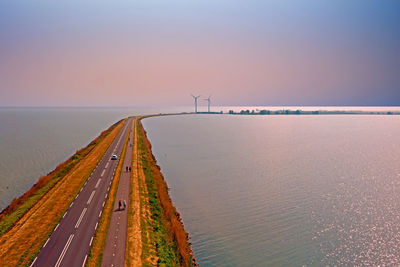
(22, 241)
(163, 232)
(134, 242)
(99, 241)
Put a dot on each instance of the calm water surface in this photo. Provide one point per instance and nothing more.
(284, 190)
(33, 141)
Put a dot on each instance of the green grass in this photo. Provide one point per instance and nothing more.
(160, 239)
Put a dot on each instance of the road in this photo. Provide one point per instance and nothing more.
(114, 251)
(71, 240)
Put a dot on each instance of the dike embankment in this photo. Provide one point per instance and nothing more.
(164, 239)
(29, 220)
(156, 234)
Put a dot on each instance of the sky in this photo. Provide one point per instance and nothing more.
(157, 53)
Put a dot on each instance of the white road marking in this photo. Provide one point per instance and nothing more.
(80, 218)
(56, 227)
(91, 240)
(108, 189)
(46, 242)
(76, 196)
(96, 226)
(81, 189)
(107, 165)
(64, 251)
(100, 213)
(98, 182)
(71, 204)
(91, 196)
(33, 262)
(103, 204)
(103, 173)
(65, 214)
(84, 261)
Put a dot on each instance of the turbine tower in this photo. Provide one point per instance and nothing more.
(209, 102)
(195, 102)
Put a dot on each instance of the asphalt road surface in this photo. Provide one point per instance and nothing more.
(114, 251)
(72, 238)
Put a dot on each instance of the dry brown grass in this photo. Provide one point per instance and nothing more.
(22, 242)
(134, 241)
(99, 241)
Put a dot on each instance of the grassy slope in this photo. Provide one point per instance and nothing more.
(163, 232)
(22, 242)
(99, 241)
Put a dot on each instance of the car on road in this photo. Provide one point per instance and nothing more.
(114, 157)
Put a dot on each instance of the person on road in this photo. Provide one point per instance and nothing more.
(119, 205)
(124, 204)
(130, 169)
(126, 168)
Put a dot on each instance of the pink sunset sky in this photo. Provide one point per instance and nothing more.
(156, 53)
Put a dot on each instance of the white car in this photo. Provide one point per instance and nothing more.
(114, 157)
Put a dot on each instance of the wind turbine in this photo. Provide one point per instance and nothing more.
(195, 102)
(209, 101)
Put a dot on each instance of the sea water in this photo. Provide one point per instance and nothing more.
(284, 190)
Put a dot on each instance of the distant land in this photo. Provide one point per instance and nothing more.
(302, 112)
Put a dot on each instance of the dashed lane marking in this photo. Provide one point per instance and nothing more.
(98, 182)
(91, 196)
(84, 261)
(80, 218)
(103, 173)
(64, 251)
(33, 262)
(46, 242)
